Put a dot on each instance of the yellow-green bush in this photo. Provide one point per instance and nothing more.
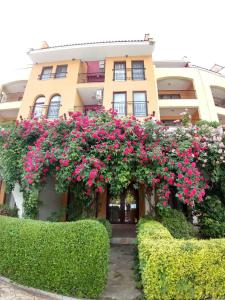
(180, 269)
(67, 258)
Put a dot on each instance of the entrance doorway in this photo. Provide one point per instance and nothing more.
(124, 209)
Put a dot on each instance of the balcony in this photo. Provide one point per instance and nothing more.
(11, 95)
(138, 109)
(52, 75)
(49, 111)
(129, 74)
(91, 77)
(85, 109)
(176, 94)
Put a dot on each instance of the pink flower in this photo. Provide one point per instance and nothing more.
(93, 174)
(30, 181)
(89, 182)
(78, 178)
(180, 176)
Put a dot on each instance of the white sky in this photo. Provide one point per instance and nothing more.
(192, 28)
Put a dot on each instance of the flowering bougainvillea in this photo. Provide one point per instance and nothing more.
(103, 149)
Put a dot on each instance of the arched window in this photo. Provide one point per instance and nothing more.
(54, 106)
(38, 107)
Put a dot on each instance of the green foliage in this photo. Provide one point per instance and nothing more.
(30, 204)
(66, 258)
(107, 225)
(179, 269)
(6, 210)
(211, 215)
(176, 222)
(205, 123)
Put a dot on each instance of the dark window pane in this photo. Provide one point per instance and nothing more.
(138, 71)
(169, 96)
(46, 73)
(54, 106)
(120, 71)
(61, 71)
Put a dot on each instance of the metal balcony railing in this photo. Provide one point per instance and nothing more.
(49, 111)
(87, 108)
(129, 74)
(52, 75)
(91, 77)
(10, 97)
(139, 108)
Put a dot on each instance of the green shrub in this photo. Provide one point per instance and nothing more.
(107, 225)
(177, 224)
(67, 258)
(180, 269)
(6, 210)
(211, 216)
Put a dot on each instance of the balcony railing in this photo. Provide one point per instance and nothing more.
(129, 74)
(11, 97)
(91, 77)
(87, 108)
(52, 75)
(139, 108)
(176, 94)
(49, 111)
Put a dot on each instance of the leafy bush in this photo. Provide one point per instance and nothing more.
(67, 258)
(179, 269)
(107, 225)
(211, 215)
(6, 210)
(177, 224)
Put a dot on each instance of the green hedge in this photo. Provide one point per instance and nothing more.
(180, 269)
(66, 258)
(177, 224)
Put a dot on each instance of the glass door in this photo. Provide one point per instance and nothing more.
(124, 208)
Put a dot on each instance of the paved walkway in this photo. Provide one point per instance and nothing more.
(10, 292)
(121, 284)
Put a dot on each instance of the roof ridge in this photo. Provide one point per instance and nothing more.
(89, 43)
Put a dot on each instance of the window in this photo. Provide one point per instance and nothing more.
(169, 96)
(38, 107)
(61, 71)
(119, 103)
(119, 71)
(138, 71)
(46, 73)
(139, 104)
(54, 106)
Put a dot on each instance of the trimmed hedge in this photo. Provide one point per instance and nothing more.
(67, 258)
(180, 269)
(177, 224)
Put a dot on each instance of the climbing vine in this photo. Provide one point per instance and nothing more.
(103, 149)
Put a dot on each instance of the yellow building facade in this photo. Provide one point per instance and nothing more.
(118, 75)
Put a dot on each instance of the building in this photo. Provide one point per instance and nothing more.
(121, 75)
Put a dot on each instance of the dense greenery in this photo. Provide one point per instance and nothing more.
(211, 216)
(179, 269)
(6, 210)
(67, 258)
(86, 153)
(176, 222)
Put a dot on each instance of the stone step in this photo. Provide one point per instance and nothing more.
(123, 241)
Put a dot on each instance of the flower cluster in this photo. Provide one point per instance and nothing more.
(102, 149)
